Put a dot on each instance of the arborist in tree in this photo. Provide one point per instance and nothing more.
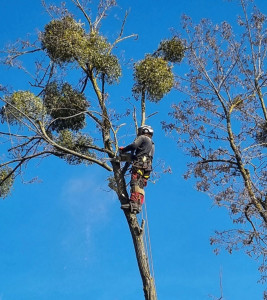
(143, 151)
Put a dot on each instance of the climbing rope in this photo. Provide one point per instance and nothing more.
(147, 243)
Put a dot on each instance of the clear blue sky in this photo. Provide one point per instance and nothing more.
(65, 237)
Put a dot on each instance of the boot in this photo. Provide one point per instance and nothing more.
(135, 207)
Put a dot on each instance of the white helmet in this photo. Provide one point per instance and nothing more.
(145, 129)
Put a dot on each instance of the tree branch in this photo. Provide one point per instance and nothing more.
(16, 54)
(21, 112)
(120, 38)
(24, 144)
(204, 161)
(25, 158)
(72, 152)
(78, 4)
(143, 109)
(102, 8)
(93, 147)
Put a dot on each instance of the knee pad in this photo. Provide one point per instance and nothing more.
(137, 197)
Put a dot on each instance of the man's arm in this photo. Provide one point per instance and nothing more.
(133, 146)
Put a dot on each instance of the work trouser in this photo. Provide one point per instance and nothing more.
(140, 174)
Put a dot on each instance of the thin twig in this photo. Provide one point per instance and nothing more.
(78, 4)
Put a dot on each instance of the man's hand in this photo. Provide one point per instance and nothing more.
(120, 149)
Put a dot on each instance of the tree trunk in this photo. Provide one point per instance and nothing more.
(143, 109)
(142, 259)
(137, 235)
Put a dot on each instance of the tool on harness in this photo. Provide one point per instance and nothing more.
(122, 157)
(127, 157)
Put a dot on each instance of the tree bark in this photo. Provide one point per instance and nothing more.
(142, 260)
(245, 173)
(137, 236)
(143, 109)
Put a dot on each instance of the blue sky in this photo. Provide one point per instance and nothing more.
(65, 237)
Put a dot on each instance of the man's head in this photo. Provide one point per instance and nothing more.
(146, 130)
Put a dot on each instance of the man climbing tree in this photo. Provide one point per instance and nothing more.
(54, 117)
(143, 151)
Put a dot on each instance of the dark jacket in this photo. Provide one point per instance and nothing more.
(142, 146)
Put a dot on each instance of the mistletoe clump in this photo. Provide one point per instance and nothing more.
(79, 143)
(97, 55)
(22, 105)
(154, 77)
(171, 50)
(6, 181)
(63, 40)
(66, 41)
(66, 106)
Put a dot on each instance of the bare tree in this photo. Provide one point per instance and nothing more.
(222, 123)
(75, 121)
